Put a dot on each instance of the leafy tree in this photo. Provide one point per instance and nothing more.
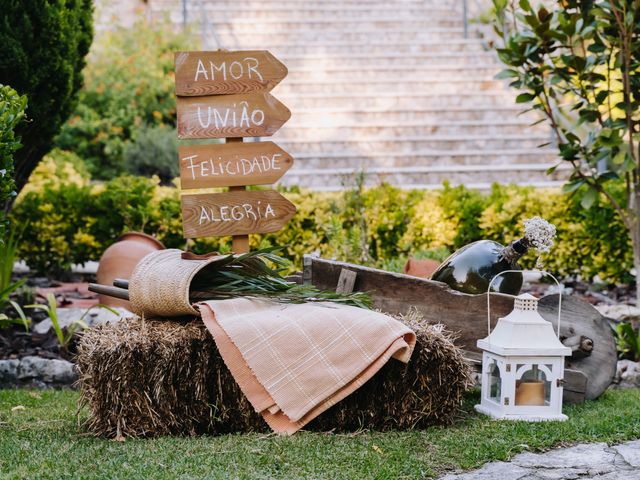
(44, 44)
(12, 108)
(579, 64)
(129, 91)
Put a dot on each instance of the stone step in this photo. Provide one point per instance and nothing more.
(386, 115)
(322, 61)
(386, 73)
(301, 26)
(396, 101)
(238, 13)
(399, 85)
(322, 133)
(446, 159)
(481, 176)
(410, 67)
(357, 5)
(232, 39)
(373, 47)
(411, 144)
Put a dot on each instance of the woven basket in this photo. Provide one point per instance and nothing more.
(159, 285)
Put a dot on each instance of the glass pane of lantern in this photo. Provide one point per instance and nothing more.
(532, 386)
(495, 382)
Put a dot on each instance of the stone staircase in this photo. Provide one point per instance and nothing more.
(390, 87)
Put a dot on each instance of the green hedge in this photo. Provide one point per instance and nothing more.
(12, 108)
(381, 226)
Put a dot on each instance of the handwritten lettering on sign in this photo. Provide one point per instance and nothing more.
(217, 73)
(232, 164)
(250, 115)
(234, 213)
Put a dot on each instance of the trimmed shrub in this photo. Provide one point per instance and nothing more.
(57, 168)
(12, 108)
(76, 223)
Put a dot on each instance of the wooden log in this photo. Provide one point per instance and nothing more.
(115, 292)
(575, 386)
(121, 283)
(580, 319)
(595, 356)
(346, 281)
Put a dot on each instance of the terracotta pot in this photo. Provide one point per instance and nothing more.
(119, 260)
(420, 268)
(530, 392)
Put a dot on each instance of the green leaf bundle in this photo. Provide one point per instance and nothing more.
(259, 274)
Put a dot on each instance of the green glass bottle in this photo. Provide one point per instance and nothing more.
(471, 268)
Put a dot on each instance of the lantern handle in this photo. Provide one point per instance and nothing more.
(560, 289)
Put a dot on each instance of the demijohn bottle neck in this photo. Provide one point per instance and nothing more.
(515, 250)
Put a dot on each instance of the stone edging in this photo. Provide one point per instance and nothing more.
(37, 372)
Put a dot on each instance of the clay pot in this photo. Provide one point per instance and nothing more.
(420, 268)
(530, 392)
(119, 260)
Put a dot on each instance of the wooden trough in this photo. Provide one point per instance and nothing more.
(588, 372)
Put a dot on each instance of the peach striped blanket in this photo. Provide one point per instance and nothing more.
(294, 361)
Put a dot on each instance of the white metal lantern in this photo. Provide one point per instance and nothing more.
(522, 365)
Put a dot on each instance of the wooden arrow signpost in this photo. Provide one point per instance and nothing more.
(235, 213)
(225, 95)
(222, 116)
(232, 164)
(224, 73)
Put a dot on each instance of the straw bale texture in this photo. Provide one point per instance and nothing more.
(144, 378)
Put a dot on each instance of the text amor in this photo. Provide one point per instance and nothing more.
(247, 67)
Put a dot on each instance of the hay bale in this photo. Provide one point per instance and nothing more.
(144, 378)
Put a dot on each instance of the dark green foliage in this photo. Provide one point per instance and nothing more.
(12, 108)
(153, 152)
(69, 224)
(579, 65)
(42, 54)
(628, 341)
(260, 273)
(466, 207)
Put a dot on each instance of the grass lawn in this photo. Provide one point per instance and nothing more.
(39, 438)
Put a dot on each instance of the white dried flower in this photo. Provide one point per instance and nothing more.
(540, 233)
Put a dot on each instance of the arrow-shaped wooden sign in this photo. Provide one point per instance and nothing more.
(220, 72)
(232, 164)
(234, 213)
(220, 116)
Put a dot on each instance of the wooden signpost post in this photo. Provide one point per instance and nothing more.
(225, 95)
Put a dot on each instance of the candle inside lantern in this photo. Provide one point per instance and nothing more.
(530, 392)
